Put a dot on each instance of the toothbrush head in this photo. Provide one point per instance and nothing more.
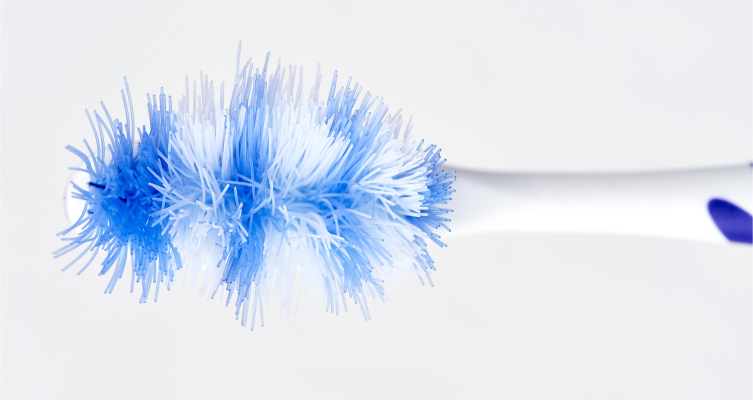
(267, 196)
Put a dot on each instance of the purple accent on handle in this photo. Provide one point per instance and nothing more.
(734, 222)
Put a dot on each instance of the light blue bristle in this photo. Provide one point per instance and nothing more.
(263, 195)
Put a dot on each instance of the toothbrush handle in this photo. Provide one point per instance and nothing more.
(663, 204)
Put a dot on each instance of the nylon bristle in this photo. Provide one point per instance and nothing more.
(268, 195)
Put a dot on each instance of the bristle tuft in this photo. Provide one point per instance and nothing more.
(268, 195)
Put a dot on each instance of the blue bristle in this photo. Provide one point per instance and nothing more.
(119, 199)
(264, 197)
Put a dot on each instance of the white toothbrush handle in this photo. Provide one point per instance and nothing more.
(666, 204)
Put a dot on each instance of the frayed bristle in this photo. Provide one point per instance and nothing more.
(270, 196)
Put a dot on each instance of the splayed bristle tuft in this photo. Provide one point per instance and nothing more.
(268, 194)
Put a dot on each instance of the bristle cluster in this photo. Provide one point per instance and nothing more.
(272, 195)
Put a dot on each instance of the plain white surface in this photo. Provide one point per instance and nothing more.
(596, 86)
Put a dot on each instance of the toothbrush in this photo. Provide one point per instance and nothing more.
(275, 194)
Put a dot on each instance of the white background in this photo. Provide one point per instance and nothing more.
(543, 86)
